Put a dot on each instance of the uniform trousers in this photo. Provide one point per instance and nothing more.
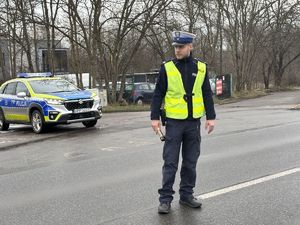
(181, 135)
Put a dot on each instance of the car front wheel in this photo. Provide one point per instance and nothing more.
(90, 123)
(140, 101)
(37, 122)
(3, 125)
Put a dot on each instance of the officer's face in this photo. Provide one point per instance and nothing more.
(183, 51)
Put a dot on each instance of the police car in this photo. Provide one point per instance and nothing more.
(42, 100)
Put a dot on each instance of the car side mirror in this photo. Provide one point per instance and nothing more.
(21, 95)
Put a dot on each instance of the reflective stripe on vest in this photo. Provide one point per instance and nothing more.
(175, 105)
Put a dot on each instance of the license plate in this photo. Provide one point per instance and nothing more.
(81, 110)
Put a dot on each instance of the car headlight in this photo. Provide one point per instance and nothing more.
(54, 101)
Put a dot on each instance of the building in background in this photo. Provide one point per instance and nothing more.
(150, 77)
(60, 58)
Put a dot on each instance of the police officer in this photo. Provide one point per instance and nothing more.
(183, 85)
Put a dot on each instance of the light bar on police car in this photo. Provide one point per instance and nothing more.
(29, 75)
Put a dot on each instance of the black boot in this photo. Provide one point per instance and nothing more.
(190, 202)
(164, 207)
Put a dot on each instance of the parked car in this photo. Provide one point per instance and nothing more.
(139, 93)
(42, 101)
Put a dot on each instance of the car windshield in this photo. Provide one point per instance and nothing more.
(52, 86)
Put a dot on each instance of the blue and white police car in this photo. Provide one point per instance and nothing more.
(42, 100)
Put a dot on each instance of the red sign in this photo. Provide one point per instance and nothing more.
(219, 88)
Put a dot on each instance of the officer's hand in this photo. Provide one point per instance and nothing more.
(209, 124)
(155, 125)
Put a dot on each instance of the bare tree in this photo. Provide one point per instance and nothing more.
(283, 36)
(13, 32)
(22, 7)
(117, 47)
(33, 5)
(158, 37)
(50, 12)
(210, 29)
(243, 30)
(75, 56)
(8, 23)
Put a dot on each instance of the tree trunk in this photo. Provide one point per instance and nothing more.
(32, 12)
(27, 47)
(48, 35)
(266, 75)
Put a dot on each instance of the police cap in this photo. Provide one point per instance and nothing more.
(181, 38)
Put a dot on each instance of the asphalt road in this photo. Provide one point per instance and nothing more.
(110, 174)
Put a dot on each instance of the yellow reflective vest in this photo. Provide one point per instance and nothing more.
(175, 105)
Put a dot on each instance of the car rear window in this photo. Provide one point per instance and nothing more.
(143, 87)
(10, 89)
(52, 86)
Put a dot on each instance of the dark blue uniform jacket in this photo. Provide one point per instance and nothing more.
(188, 69)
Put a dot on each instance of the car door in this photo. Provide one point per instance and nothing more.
(8, 97)
(146, 92)
(128, 92)
(22, 103)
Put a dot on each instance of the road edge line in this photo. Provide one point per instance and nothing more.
(248, 183)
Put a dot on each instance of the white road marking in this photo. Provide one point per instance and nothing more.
(110, 149)
(248, 184)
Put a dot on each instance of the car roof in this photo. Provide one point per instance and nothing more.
(141, 83)
(33, 78)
